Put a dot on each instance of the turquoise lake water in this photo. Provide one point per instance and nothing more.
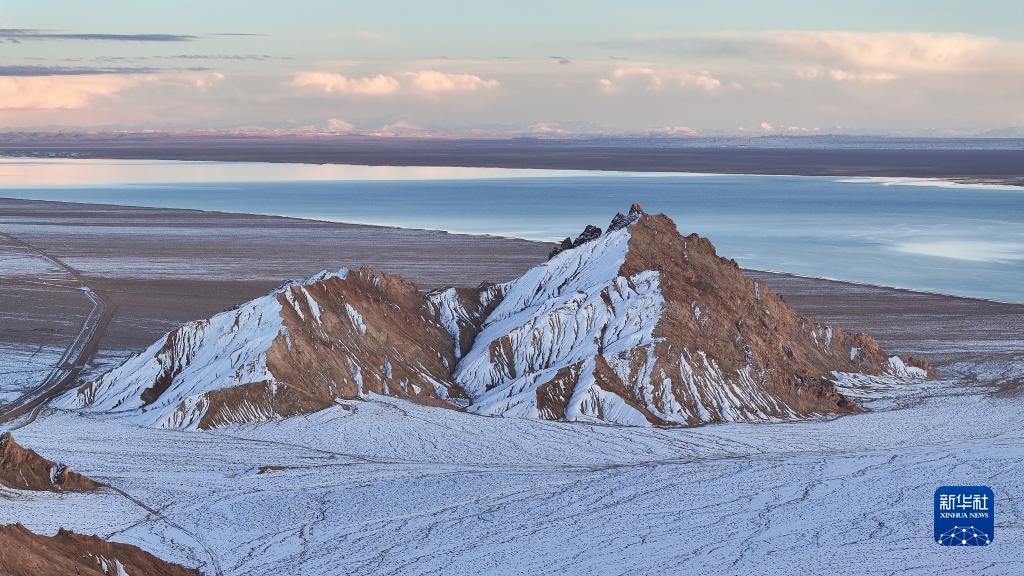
(920, 235)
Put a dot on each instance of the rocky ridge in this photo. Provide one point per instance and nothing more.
(635, 325)
(23, 553)
(23, 469)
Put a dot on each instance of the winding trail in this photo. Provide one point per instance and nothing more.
(214, 559)
(78, 353)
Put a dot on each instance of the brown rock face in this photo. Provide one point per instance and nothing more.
(23, 469)
(368, 333)
(643, 326)
(636, 325)
(741, 326)
(23, 553)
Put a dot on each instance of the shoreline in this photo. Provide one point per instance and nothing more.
(547, 244)
(997, 166)
(535, 173)
(160, 268)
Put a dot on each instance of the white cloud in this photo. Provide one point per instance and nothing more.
(703, 80)
(650, 78)
(434, 82)
(607, 86)
(840, 75)
(845, 55)
(655, 80)
(884, 51)
(61, 92)
(334, 83)
(424, 82)
(204, 81)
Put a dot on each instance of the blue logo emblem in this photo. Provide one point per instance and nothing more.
(965, 516)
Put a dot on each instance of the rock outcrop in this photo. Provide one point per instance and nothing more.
(23, 553)
(299, 349)
(23, 469)
(637, 325)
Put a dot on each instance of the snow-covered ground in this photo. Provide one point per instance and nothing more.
(24, 366)
(387, 487)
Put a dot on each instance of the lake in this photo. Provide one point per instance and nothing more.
(917, 234)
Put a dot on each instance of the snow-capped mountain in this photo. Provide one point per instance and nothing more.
(637, 325)
(295, 350)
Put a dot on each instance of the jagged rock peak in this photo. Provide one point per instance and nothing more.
(564, 245)
(591, 232)
(619, 221)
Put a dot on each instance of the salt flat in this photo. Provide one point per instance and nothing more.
(384, 487)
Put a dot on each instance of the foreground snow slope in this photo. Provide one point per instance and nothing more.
(385, 486)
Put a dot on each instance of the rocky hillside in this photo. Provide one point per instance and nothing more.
(23, 553)
(299, 349)
(634, 325)
(23, 469)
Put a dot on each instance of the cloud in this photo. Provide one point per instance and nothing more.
(434, 82)
(423, 82)
(59, 92)
(843, 55)
(204, 81)
(703, 80)
(334, 83)
(79, 91)
(33, 34)
(840, 75)
(655, 80)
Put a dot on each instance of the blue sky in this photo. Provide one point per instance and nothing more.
(914, 67)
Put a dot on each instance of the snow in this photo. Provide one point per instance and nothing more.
(450, 312)
(314, 308)
(224, 351)
(383, 486)
(896, 366)
(355, 318)
(24, 366)
(556, 315)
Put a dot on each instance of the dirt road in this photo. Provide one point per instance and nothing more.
(78, 352)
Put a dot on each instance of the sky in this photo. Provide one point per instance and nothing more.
(674, 68)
